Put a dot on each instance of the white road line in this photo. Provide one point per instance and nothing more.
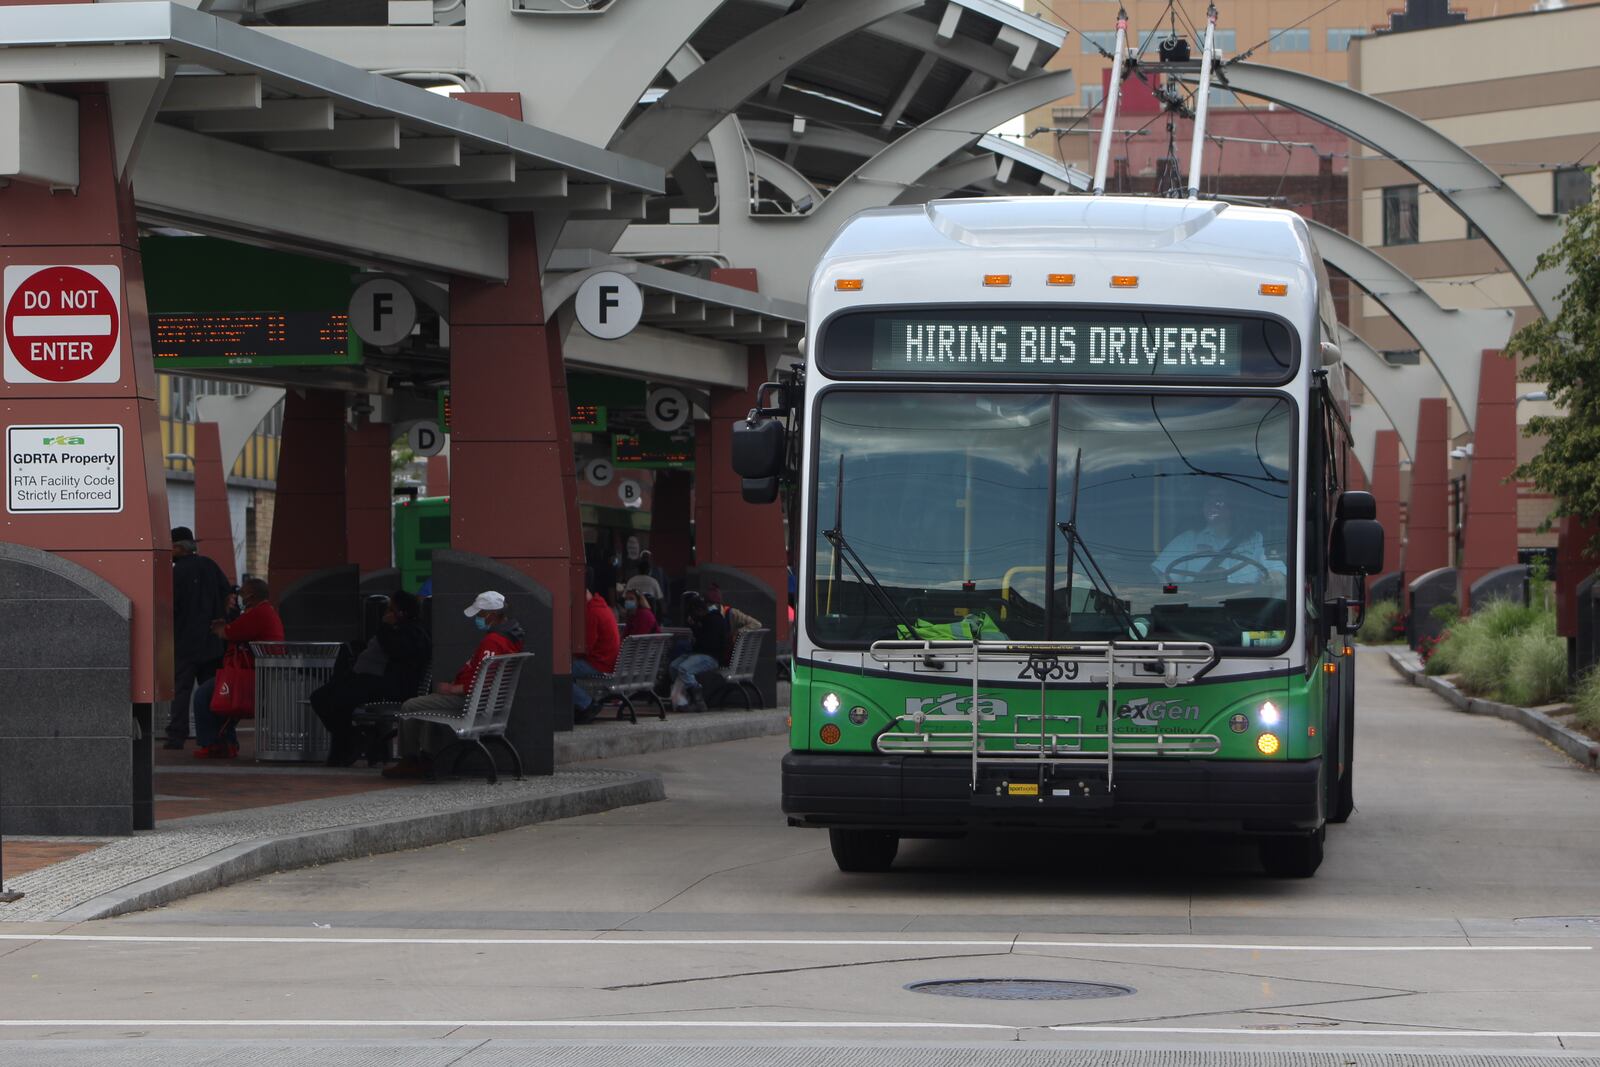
(713, 942)
(781, 1024)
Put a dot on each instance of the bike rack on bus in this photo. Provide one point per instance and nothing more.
(1173, 663)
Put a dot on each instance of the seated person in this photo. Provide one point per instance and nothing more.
(638, 615)
(421, 740)
(707, 650)
(644, 582)
(1220, 548)
(738, 621)
(601, 638)
(216, 735)
(389, 668)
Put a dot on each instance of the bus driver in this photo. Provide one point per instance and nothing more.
(1217, 549)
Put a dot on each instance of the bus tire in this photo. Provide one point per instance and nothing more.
(1298, 856)
(863, 851)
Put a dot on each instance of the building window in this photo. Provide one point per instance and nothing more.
(1574, 188)
(1093, 95)
(1223, 98)
(1296, 40)
(1224, 40)
(1400, 215)
(1339, 40)
(1092, 42)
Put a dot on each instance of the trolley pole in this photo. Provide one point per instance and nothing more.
(1202, 102)
(1113, 94)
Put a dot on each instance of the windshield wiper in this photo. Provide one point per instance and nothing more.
(858, 567)
(1105, 594)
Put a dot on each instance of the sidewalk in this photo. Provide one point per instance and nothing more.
(222, 822)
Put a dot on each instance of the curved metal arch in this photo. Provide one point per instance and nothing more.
(1394, 392)
(1517, 232)
(902, 164)
(1452, 340)
(691, 109)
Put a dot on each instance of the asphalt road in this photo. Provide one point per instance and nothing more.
(703, 930)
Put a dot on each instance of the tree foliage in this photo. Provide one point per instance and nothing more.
(1564, 352)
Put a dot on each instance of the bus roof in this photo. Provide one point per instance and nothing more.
(1034, 224)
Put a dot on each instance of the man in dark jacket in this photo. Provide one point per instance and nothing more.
(199, 595)
(389, 668)
(709, 649)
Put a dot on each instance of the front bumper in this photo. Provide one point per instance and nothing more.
(915, 794)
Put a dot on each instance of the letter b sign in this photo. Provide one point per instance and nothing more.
(609, 305)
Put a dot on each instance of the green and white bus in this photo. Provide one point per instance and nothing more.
(1067, 486)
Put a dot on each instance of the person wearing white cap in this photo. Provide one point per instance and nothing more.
(502, 635)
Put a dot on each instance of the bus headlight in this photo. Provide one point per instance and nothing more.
(1269, 714)
(830, 703)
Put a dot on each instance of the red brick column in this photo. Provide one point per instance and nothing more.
(1386, 491)
(746, 536)
(438, 476)
(514, 493)
(308, 522)
(129, 548)
(1490, 536)
(213, 520)
(1573, 565)
(1428, 518)
(368, 507)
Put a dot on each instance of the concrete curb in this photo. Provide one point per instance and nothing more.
(607, 738)
(1574, 744)
(251, 859)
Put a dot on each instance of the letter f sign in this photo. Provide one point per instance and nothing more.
(608, 300)
(382, 307)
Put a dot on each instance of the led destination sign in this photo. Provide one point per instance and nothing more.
(1056, 342)
(910, 344)
(254, 338)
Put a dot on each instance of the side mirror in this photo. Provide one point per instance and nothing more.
(1356, 544)
(759, 490)
(758, 447)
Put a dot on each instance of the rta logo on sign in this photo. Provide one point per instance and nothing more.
(60, 470)
(63, 324)
(609, 305)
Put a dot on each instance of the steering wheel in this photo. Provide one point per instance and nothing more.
(1177, 572)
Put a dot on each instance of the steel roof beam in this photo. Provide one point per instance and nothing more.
(273, 116)
(213, 92)
(347, 135)
(1517, 232)
(424, 152)
(1452, 340)
(80, 63)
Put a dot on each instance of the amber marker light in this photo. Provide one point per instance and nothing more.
(1330, 668)
(1349, 651)
(830, 734)
(1124, 281)
(1274, 289)
(1267, 744)
(847, 285)
(1060, 279)
(999, 281)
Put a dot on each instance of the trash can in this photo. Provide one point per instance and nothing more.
(286, 674)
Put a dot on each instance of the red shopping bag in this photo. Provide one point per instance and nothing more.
(235, 693)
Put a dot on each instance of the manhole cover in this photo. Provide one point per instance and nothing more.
(1020, 989)
(1568, 922)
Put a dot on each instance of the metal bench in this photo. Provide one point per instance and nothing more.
(638, 664)
(487, 710)
(740, 673)
(383, 716)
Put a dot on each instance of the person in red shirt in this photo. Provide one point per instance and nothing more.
(640, 619)
(603, 641)
(419, 740)
(258, 621)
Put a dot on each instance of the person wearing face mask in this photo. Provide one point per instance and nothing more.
(639, 617)
(257, 621)
(502, 636)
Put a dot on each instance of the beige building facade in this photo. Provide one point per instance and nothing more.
(1522, 93)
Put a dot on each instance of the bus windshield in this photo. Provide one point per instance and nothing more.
(1171, 517)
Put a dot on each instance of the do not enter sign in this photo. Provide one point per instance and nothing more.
(63, 324)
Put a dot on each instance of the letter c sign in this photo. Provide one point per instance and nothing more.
(609, 305)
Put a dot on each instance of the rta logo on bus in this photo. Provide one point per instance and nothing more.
(956, 706)
(63, 324)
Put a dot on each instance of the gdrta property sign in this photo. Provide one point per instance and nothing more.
(54, 470)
